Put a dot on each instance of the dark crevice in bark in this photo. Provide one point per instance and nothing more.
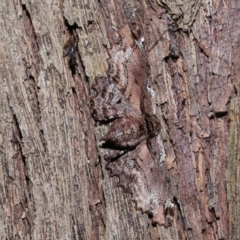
(16, 124)
(221, 114)
(75, 61)
(17, 134)
(205, 231)
(33, 90)
(81, 91)
(80, 231)
(73, 228)
(21, 178)
(72, 32)
(82, 68)
(81, 94)
(29, 30)
(70, 47)
(31, 86)
(179, 210)
(73, 91)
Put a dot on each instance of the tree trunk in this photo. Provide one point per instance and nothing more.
(119, 119)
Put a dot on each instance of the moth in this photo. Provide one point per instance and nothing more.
(134, 150)
(128, 127)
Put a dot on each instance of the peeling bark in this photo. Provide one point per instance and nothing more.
(157, 81)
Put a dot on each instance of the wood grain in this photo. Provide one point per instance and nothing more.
(53, 178)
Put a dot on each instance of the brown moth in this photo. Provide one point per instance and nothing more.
(126, 132)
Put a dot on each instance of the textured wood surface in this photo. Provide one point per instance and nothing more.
(53, 178)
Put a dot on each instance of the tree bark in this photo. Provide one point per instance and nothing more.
(138, 94)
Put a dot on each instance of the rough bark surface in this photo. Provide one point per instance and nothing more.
(146, 98)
